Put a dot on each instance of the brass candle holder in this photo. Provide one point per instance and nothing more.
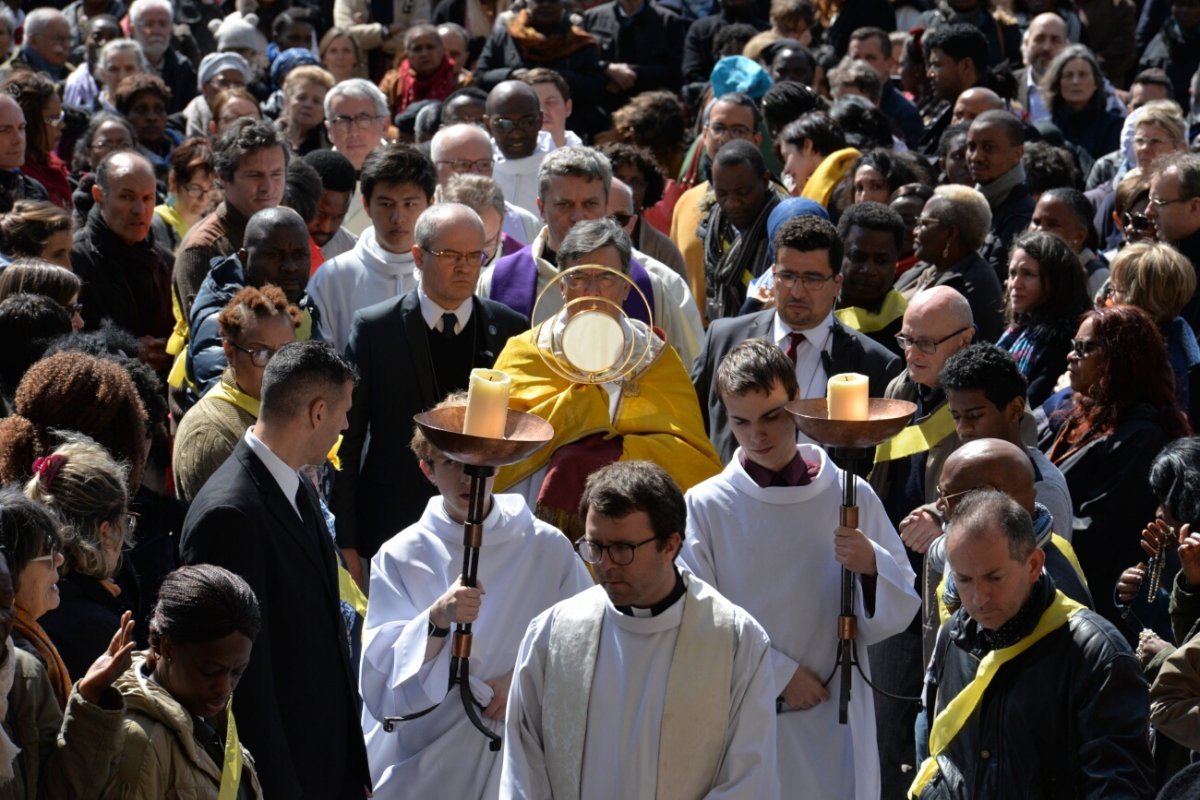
(524, 434)
(851, 442)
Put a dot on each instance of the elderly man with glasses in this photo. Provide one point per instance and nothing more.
(1175, 208)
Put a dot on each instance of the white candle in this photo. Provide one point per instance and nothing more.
(847, 397)
(487, 403)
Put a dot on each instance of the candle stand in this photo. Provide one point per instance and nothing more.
(524, 434)
(850, 442)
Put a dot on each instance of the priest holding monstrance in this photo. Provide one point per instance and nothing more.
(635, 402)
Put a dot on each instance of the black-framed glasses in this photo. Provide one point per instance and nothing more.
(809, 280)
(198, 192)
(258, 356)
(529, 122)
(619, 553)
(363, 121)
(926, 346)
(1080, 348)
(479, 166)
(471, 258)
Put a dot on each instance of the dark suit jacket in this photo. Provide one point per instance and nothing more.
(297, 704)
(389, 344)
(849, 351)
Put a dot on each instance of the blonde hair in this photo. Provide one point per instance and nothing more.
(967, 210)
(421, 447)
(1167, 115)
(1155, 277)
(85, 486)
(308, 73)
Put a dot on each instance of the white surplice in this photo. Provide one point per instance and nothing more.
(525, 566)
(625, 711)
(771, 551)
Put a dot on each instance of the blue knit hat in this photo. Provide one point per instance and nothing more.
(287, 61)
(739, 74)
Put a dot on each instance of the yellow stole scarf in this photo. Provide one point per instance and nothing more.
(864, 321)
(231, 768)
(948, 723)
(918, 438)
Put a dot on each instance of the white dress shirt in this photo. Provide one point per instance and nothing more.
(287, 478)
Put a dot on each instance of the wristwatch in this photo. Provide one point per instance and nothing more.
(436, 632)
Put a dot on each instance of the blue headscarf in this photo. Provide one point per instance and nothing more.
(739, 74)
(787, 209)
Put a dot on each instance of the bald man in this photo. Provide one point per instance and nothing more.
(1001, 465)
(646, 239)
(126, 274)
(274, 251)
(514, 118)
(14, 185)
(937, 324)
(411, 351)
(973, 102)
(465, 149)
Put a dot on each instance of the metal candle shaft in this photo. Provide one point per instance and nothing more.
(847, 620)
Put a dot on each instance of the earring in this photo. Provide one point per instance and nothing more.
(946, 251)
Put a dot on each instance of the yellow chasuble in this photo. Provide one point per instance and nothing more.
(658, 414)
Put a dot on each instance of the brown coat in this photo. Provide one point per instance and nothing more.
(217, 235)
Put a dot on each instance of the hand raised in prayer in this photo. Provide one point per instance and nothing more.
(460, 604)
(495, 709)
(919, 530)
(1189, 555)
(109, 666)
(854, 551)
(804, 690)
(1130, 583)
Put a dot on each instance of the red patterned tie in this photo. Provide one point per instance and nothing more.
(793, 342)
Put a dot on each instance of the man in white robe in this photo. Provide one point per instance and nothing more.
(650, 685)
(525, 566)
(765, 533)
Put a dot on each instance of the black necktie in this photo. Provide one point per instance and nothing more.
(448, 322)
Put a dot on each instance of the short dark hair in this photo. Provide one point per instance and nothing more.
(543, 75)
(755, 365)
(245, 137)
(299, 373)
(872, 217)
(818, 127)
(397, 164)
(745, 101)
(28, 323)
(1079, 205)
(130, 87)
(336, 171)
(897, 169)
(1006, 120)
(1175, 479)
(864, 124)
(786, 101)
(1047, 166)
(958, 40)
(25, 527)
(740, 151)
(469, 92)
(203, 603)
(987, 368)
(736, 34)
(949, 135)
(979, 509)
(1155, 77)
(641, 159)
(807, 233)
(626, 487)
(862, 34)
(302, 189)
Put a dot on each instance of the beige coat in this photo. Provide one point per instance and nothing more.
(161, 758)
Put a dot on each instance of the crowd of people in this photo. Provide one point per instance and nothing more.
(243, 244)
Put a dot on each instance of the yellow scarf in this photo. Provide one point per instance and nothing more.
(864, 321)
(954, 716)
(917, 438)
(231, 770)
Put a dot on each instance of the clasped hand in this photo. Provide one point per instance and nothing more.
(459, 605)
(854, 551)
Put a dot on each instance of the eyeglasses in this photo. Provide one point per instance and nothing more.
(51, 551)
(1145, 141)
(529, 122)
(74, 308)
(480, 167)
(105, 144)
(259, 357)
(54, 122)
(809, 280)
(1158, 202)
(363, 121)
(132, 518)
(926, 346)
(474, 257)
(198, 192)
(583, 280)
(1080, 348)
(619, 553)
(621, 219)
(736, 131)
(927, 222)
(943, 503)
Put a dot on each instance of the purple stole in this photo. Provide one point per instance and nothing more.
(514, 283)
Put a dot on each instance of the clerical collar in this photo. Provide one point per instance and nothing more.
(660, 607)
(798, 472)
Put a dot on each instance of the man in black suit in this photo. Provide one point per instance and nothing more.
(412, 351)
(807, 269)
(297, 703)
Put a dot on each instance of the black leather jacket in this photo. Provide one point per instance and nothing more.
(1067, 718)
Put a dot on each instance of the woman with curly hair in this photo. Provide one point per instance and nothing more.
(143, 99)
(85, 486)
(1073, 88)
(37, 229)
(43, 110)
(72, 391)
(1044, 297)
(1122, 412)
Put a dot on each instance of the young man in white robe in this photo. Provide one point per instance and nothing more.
(765, 533)
(648, 685)
(417, 594)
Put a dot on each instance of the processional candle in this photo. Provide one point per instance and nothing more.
(847, 397)
(487, 403)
